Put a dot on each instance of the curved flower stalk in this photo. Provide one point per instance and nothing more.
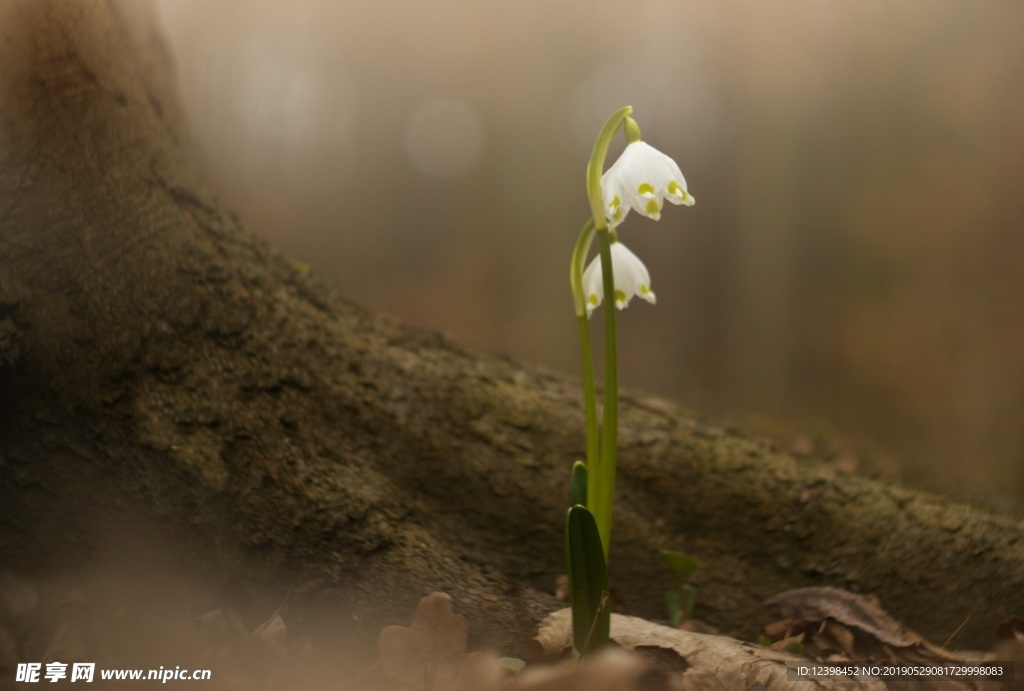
(631, 278)
(642, 179)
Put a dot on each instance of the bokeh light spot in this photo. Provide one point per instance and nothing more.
(445, 138)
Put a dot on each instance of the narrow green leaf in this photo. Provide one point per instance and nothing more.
(588, 582)
(578, 489)
(680, 563)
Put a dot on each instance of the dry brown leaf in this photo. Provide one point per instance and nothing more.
(612, 670)
(400, 654)
(562, 588)
(434, 619)
(714, 663)
(479, 671)
(429, 653)
(697, 626)
(835, 620)
(1010, 648)
(814, 605)
(836, 636)
(1010, 628)
(783, 643)
(780, 629)
(831, 610)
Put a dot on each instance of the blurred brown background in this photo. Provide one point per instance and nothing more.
(852, 268)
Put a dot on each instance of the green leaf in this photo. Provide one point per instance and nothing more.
(578, 487)
(511, 664)
(588, 582)
(680, 563)
(795, 648)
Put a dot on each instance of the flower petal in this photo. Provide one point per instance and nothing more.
(630, 275)
(642, 179)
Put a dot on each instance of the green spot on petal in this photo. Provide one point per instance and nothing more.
(675, 190)
(620, 296)
(645, 189)
(652, 207)
(592, 299)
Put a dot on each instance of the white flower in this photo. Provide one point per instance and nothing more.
(630, 274)
(642, 179)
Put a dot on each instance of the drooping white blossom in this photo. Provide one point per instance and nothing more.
(642, 179)
(630, 274)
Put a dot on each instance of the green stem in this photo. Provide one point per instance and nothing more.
(589, 392)
(579, 257)
(595, 166)
(601, 478)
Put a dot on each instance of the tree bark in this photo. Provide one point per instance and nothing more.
(174, 391)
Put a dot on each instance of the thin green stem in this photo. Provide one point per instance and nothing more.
(579, 257)
(595, 166)
(589, 392)
(601, 478)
